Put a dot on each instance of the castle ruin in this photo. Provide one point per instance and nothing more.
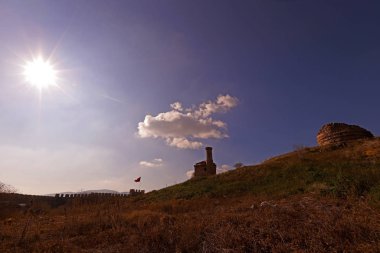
(205, 168)
(134, 192)
(341, 133)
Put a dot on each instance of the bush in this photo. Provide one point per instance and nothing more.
(4, 188)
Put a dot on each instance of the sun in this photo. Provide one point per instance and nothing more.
(40, 73)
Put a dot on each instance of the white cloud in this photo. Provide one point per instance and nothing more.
(183, 143)
(223, 168)
(222, 104)
(176, 106)
(190, 174)
(157, 162)
(179, 126)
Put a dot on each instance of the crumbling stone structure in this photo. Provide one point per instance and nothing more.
(205, 168)
(341, 133)
(92, 194)
(134, 192)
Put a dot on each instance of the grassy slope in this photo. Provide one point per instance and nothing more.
(352, 170)
(309, 200)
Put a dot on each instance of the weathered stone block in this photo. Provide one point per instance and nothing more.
(341, 133)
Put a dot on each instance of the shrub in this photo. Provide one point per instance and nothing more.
(4, 188)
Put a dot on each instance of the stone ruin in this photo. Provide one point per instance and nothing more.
(205, 168)
(134, 192)
(341, 133)
(92, 194)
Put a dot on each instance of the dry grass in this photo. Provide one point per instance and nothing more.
(303, 223)
(310, 200)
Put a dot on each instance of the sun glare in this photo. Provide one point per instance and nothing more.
(40, 73)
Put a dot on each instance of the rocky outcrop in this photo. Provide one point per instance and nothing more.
(341, 133)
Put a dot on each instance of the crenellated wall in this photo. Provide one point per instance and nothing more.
(93, 194)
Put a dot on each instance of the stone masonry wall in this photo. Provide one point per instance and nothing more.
(340, 133)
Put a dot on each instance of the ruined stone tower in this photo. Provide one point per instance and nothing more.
(341, 133)
(205, 168)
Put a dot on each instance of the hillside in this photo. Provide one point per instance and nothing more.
(351, 170)
(320, 199)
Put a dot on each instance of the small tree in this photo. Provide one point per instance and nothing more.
(238, 165)
(4, 188)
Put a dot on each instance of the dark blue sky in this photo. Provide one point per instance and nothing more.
(291, 65)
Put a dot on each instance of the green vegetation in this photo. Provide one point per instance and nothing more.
(353, 170)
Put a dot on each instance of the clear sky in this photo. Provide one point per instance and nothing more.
(144, 86)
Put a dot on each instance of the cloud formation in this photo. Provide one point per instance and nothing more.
(157, 162)
(182, 128)
(189, 174)
(223, 168)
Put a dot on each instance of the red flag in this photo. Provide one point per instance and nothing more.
(138, 179)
